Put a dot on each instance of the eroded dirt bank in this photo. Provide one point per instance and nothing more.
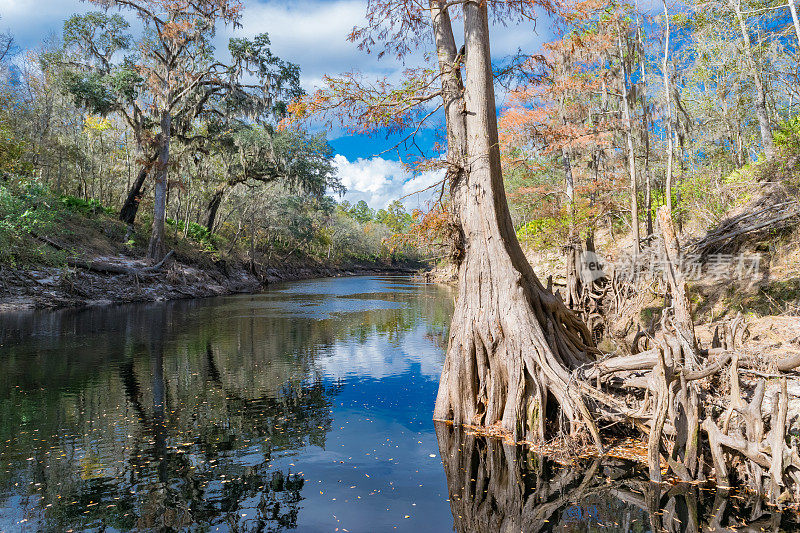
(52, 288)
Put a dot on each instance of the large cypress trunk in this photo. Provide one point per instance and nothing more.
(512, 343)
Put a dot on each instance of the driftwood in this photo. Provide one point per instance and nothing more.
(112, 268)
(104, 267)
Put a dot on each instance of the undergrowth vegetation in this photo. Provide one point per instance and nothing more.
(290, 226)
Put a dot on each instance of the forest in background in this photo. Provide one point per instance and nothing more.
(692, 107)
(631, 109)
(84, 145)
(626, 110)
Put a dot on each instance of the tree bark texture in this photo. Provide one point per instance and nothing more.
(213, 208)
(648, 199)
(512, 343)
(131, 206)
(156, 249)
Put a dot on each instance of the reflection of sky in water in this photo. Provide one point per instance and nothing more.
(381, 357)
(233, 391)
(344, 286)
(305, 408)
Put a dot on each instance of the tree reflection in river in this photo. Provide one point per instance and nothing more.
(159, 440)
(305, 407)
(167, 416)
(498, 487)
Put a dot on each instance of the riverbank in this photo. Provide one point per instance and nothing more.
(61, 287)
(76, 254)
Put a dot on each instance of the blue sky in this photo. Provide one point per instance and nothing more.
(313, 34)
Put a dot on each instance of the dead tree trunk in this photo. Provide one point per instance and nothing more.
(111, 268)
(131, 206)
(512, 343)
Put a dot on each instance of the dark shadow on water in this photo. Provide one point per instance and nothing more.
(495, 486)
(202, 415)
(251, 413)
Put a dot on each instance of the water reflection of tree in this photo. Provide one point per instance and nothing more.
(157, 416)
(494, 486)
(169, 437)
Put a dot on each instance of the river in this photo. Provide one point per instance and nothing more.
(306, 408)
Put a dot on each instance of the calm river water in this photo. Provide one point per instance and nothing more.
(304, 408)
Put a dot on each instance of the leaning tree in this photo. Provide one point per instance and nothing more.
(254, 154)
(167, 80)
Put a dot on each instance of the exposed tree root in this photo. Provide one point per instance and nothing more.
(666, 399)
(774, 209)
(547, 381)
(587, 287)
(113, 268)
(495, 486)
(104, 267)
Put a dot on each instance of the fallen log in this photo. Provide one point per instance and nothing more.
(720, 240)
(774, 208)
(104, 267)
(112, 268)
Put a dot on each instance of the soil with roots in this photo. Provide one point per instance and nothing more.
(494, 485)
(717, 405)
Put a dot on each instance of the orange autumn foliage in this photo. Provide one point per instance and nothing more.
(569, 117)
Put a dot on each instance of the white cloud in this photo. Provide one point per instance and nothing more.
(380, 181)
(313, 34)
(380, 357)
